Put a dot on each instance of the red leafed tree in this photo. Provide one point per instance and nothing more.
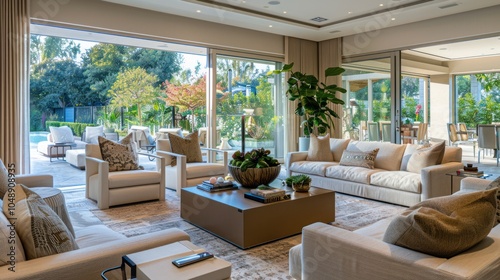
(188, 97)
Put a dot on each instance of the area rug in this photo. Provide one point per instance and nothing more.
(269, 261)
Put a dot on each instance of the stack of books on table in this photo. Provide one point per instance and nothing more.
(266, 194)
(220, 186)
(468, 173)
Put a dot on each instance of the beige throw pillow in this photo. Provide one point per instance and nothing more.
(120, 155)
(319, 148)
(444, 226)
(41, 231)
(188, 146)
(360, 159)
(495, 184)
(426, 156)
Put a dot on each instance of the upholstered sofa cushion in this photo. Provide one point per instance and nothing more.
(425, 156)
(96, 235)
(398, 180)
(359, 158)
(188, 146)
(351, 173)
(388, 157)
(4, 179)
(120, 155)
(312, 167)
(40, 229)
(62, 134)
(9, 240)
(129, 178)
(319, 148)
(444, 226)
(92, 132)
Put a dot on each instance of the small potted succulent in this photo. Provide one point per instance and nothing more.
(254, 168)
(299, 183)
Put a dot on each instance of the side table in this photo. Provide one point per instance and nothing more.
(156, 263)
(58, 146)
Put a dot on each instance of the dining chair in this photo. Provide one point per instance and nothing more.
(373, 131)
(386, 131)
(497, 134)
(422, 133)
(455, 139)
(486, 139)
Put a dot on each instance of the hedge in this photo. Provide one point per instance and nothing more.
(77, 128)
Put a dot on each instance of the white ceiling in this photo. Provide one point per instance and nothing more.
(294, 17)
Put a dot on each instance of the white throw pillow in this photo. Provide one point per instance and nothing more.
(91, 133)
(62, 134)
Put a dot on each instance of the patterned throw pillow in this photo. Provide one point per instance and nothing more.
(444, 226)
(496, 184)
(120, 155)
(319, 148)
(4, 179)
(360, 159)
(62, 134)
(188, 146)
(10, 244)
(425, 156)
(41, 231)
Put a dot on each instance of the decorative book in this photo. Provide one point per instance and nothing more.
(218, 189)
(267, 191)
(261, 199)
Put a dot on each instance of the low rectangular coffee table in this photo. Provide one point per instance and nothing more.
(247, 223)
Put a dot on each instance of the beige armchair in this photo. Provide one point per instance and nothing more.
(185, 174)
(121, 187)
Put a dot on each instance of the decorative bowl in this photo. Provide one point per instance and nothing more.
(254, 177)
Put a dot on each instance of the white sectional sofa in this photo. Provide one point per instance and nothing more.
(389, 181)
(328, 252)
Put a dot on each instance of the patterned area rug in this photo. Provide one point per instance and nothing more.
(268, 261)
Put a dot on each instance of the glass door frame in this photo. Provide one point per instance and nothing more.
(395, 74)
(211, 121)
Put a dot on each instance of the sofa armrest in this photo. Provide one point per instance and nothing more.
(180, 170)
(292, 157)
(32, 180)
(473, 184)
(329, 252)
(435, 182)
(88, 263)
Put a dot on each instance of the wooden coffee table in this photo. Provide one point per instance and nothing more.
(247, 223)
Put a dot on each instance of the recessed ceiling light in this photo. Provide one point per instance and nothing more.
(270, 26)
(284, 12)
(198, 11)
(393, 18)
(273, 2)
(349, 12)
(381, 5)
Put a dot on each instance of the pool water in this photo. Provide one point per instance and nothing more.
(38, 136)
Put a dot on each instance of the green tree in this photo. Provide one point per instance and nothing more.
(160, 63)
(134, 87)
(489, 81)
(468, 110)
(48, 48)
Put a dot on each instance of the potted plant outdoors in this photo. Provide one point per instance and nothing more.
(313, 99)
(299, 183)
(254, 168)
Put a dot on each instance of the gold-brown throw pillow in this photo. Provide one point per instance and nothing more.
(444, 226)
(425, 156)
(120, 155)
(188, 146)
(319, 148)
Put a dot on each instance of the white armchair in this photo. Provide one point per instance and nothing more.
(185, 174)
(121, 187)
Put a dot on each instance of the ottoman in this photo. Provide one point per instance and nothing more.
(76, 158)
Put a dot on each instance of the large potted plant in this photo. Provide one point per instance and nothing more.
(313, 98)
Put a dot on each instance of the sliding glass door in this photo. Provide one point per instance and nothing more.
(372, 101)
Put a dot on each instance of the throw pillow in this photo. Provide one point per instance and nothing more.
(188, 146)
(319, 148)
(41, 231)
(62, 134)
(92, 132)
(360, 159)
(120, 155)
(495, 184)
(444, 226)
(11, 248)
(4, 179)
(425, 156)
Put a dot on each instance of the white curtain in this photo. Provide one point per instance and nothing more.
(14, 84)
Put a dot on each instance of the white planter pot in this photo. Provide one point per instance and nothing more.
(304, 143)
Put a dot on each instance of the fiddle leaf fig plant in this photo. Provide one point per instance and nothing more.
(313, 98)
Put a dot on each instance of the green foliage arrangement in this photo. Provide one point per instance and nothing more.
(313, 98)
(298, 179)
(256, 158)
